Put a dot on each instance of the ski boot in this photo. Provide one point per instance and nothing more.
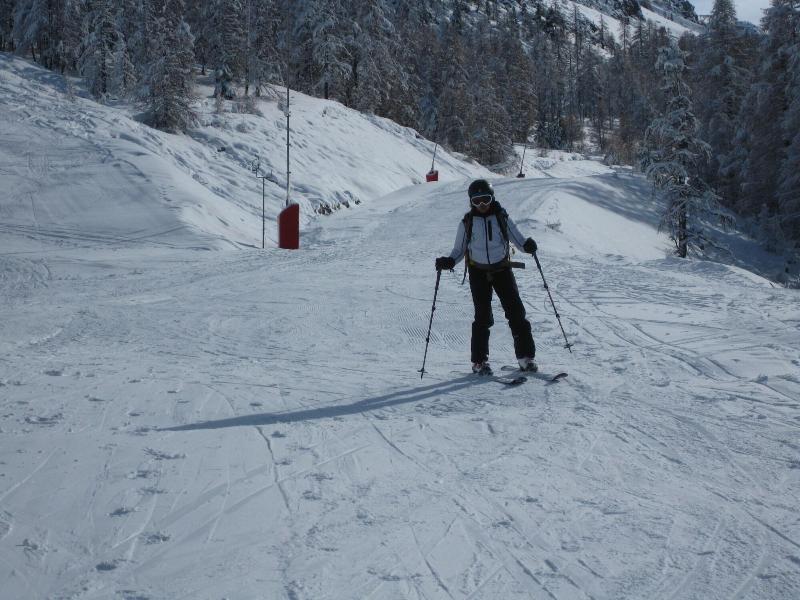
(482, 368)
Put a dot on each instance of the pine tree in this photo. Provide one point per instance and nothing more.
(453, 110)
(168, 80)
(374, 67)
(38, 28)
(516, 85)
(200, 17)
(721, 86)
(325, 44)
(789, 172)
(489, 129)
(763, 135)
(97, 59)
(263, 59)
(674, 155)
(123, 75)
(7, 9)
(227, 41)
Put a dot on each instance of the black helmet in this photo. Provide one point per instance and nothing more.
(480, 188)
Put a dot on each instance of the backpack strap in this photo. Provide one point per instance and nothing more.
(502, 220)
(467, 220)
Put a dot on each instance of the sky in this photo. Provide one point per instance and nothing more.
(746, 10)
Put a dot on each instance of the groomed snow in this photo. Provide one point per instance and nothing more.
(179, 423)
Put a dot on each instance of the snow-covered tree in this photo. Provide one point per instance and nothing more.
(453, 108)
(263, 62)
(226, 36)
(516, 86)
(38, 28)
(674, 155)
(323, 32)
(374, 67)
(168, 80)
(763, 134)
(721, 84)
(123, 74)
(789, 172)
(97, 59)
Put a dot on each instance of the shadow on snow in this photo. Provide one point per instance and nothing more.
(406, 396)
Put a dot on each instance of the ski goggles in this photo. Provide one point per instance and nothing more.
(481, 200)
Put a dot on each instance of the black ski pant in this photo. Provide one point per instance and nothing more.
(481, 284)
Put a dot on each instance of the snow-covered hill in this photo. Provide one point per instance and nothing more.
(65, 157)
(176, 423)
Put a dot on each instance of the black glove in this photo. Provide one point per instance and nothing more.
(445, 263)
(530, 246)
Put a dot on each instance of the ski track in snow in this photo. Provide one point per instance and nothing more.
(179, 423)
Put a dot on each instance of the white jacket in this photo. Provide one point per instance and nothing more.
(487, 247)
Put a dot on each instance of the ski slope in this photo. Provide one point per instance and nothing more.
(182, 423)
(188, 424)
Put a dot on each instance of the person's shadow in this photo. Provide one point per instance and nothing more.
(415, 394)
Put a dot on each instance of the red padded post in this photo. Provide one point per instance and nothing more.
(289, 227)
(432, 176)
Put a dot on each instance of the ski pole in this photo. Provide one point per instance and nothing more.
(430, 323)
(567, 345)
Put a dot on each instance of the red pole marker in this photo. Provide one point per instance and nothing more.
(289, 227)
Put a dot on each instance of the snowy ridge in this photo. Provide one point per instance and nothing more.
(611, 17)
(177, 423)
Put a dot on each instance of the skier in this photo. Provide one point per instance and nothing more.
(483, 238)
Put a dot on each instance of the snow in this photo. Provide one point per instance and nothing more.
(185, 423)
(201, 183)
(676, 26)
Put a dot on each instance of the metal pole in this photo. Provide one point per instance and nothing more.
(567, 345)
(255, 166)
(288, 61)
(288, 171)
(435, 147)
(263, 216)
(522, 162)
(430, 323)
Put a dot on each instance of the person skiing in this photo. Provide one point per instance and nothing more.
(483, 239)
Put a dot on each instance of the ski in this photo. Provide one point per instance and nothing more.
(490, 376)
(547, 377)
(510, 381)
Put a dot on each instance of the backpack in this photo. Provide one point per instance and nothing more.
(502, 220)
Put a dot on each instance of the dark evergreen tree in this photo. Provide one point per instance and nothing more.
(720, 85)
(762, 135)
(788, 193)
(7, 10)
